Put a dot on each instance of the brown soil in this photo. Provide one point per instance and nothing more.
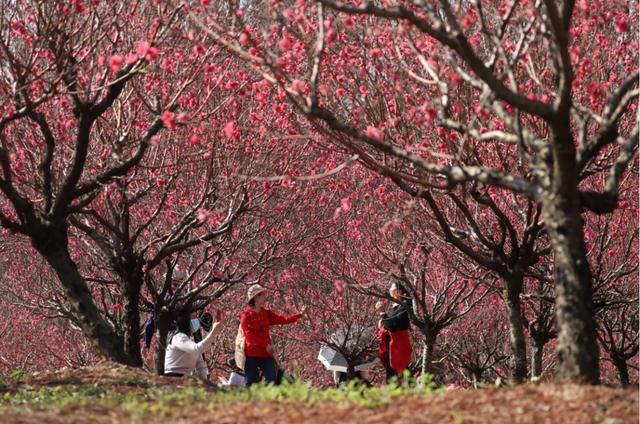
(545, 403)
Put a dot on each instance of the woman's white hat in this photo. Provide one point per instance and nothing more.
(254, 291)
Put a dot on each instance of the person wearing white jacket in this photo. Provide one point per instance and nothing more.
(184, 356)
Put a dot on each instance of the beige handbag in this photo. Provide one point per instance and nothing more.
(239, 353)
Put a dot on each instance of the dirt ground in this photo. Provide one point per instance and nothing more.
(544, 403)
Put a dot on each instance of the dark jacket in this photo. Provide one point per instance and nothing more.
(393, 336)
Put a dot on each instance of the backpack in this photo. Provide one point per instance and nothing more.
(239, 352)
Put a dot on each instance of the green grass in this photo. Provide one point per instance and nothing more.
(148, 398)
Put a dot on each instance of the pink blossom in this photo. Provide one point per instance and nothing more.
(349, 21)
(621, 24)
(115, 307)
(330, 35)
(142, 48)
(115, 63)
(346, 205)
(288, 13)
(182, 118)
(285, 43)
(375, 52)
(198, 49)
(339, 285)
(78, 6)
(373, 132)
(244, 39)
(298, 85)
(168, 119)
(203, 215)
(131, 59)
(145, 50)
(229, 129)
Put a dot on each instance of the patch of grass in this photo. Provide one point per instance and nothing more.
(168, 401)
(136, 381)
(300, 391)
(600, 420)
(17, 375)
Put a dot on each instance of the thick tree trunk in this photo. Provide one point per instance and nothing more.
(517, 341)
(54, 248)
(132, 323)
(476, 378)
(578, 356)
(163, 321)
(623, 371)
(351, 371)
(428, 344)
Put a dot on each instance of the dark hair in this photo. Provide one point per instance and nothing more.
(184, 324)
(252, 302)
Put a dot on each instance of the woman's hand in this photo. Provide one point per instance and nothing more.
(380, 306)
(219, 322)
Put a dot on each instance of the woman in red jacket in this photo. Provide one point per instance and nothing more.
(255, 321)
(393, 333)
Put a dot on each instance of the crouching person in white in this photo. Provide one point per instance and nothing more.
(183, 355)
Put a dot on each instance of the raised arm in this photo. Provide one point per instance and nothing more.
(198, 348)
(275, 319)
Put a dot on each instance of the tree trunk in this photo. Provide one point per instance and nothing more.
(577, 349)
(163, 321)
(53, 246)
(623, 371)
(132, 322)
(517, 341)
(578, 356)
(351, 371)
(476, 378)
(536, 359)
(428, 344)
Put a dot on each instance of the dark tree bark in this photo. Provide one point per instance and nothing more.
(52, 244)
(623, 370)
(578, 357)
(163, 320)
(536, 358)
(132, 327)
(517, 343)
(428, 345)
